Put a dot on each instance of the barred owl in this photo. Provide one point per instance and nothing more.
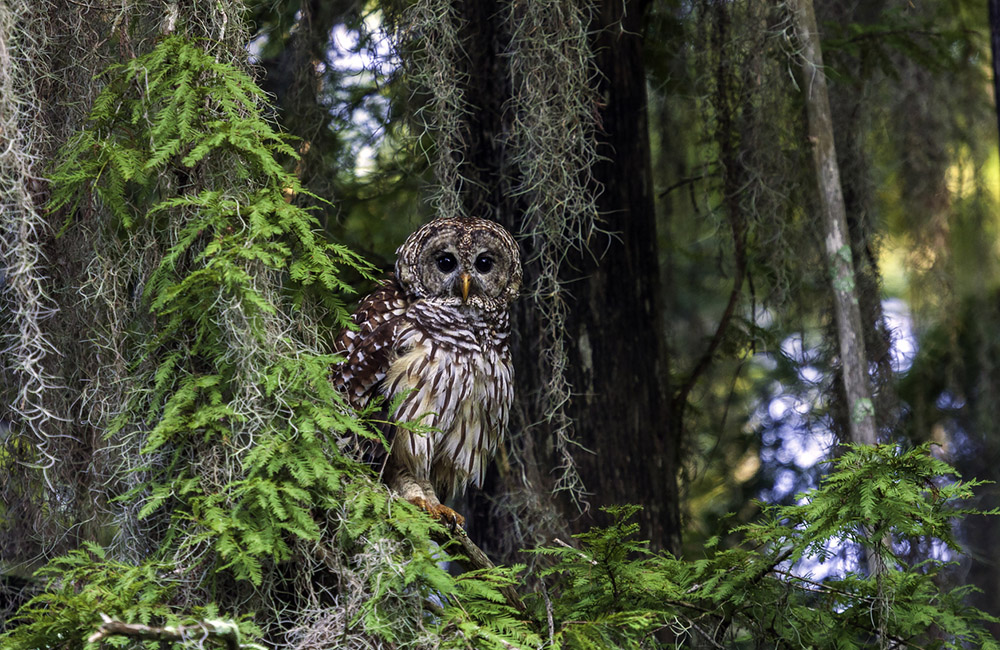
(437, 331)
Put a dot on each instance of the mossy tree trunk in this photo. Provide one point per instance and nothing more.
(66, 304)
(833, 215)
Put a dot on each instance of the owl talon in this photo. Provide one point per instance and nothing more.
(421, 503)
(449, 517)
(446, 515)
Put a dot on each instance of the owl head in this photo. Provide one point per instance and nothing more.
(461, 261)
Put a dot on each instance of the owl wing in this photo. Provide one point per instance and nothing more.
(369, 350)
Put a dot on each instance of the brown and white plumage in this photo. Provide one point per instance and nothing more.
(437, 331)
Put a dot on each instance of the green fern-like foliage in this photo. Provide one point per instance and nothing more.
(160, 132)
(613, 592)
(242, 503)
(86, 583)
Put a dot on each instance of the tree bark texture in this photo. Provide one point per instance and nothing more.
(618, 372)
(850, 334)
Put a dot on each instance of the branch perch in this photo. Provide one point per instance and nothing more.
(225, 632)
(478, 559)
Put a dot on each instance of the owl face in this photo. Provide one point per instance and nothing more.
(461, 261)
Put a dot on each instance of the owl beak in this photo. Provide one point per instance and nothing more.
(465, 279)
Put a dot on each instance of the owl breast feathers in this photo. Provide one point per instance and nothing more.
(437, 332)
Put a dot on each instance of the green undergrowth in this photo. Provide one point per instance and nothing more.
(235, 503)
(614, 592)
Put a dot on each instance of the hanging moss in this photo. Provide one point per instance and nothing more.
(545, 152)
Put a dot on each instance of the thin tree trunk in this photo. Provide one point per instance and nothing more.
(853, 360)
(857, 385)
(994, 17)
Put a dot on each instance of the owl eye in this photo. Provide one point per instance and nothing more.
(484, 264)
(446, 262)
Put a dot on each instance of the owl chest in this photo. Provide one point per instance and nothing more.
(450, 387)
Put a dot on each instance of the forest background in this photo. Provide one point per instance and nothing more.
(194, 193)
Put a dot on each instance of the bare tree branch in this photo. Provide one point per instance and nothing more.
(225, 632)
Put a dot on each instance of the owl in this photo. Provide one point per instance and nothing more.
(437, 333)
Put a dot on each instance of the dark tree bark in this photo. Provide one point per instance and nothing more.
(619, 371)
(486, 193)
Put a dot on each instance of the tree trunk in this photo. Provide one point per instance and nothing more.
(857, 386)
(994, 18)
(618, 371)
(850, 335)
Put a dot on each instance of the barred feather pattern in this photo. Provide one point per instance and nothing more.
(456, 370)
(438, 335)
